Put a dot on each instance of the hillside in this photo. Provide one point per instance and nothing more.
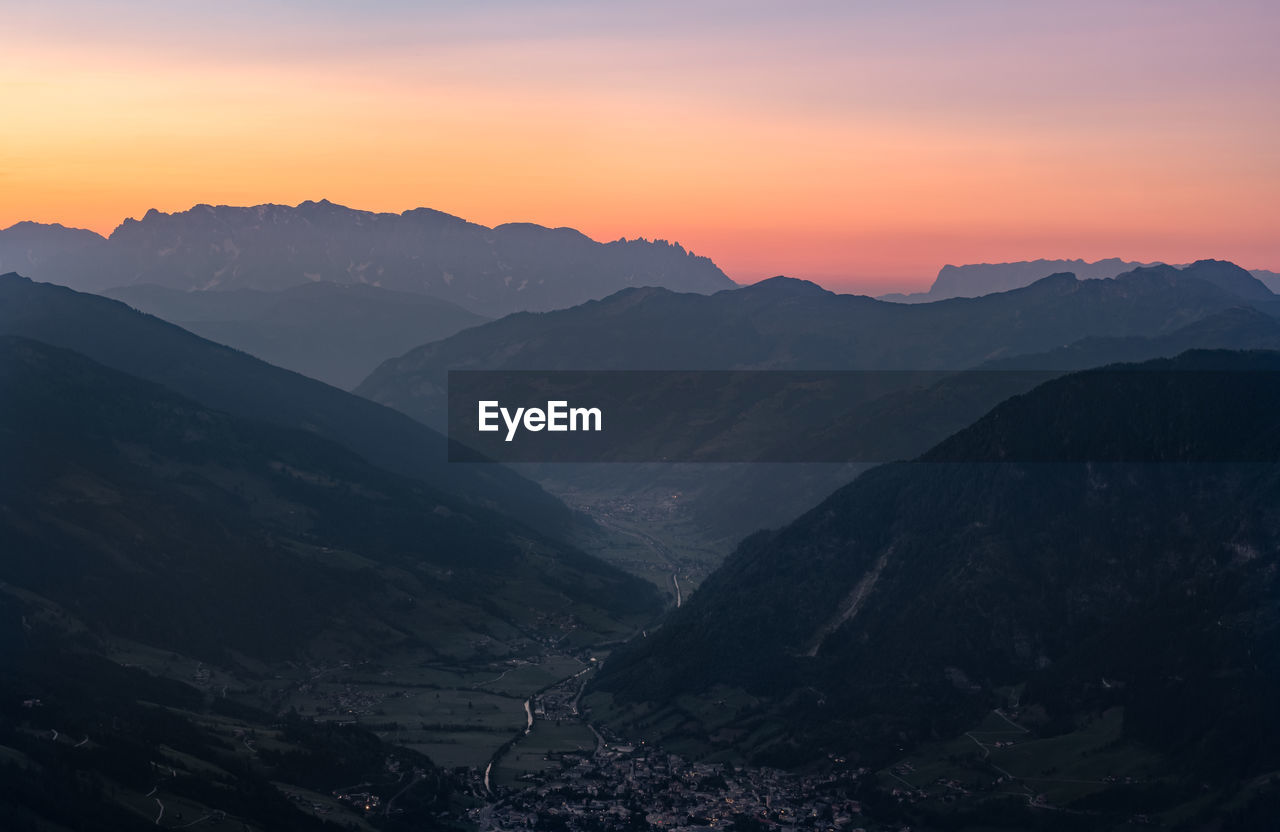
(225, 379)
(1107, 540)
(177, 581)
(163, 521)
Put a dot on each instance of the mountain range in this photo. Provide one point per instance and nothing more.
(975, 280)
(489, 271)
(783, 323)
(787, 324)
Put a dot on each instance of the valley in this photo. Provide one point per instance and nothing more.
(428, 732)
(651, 540)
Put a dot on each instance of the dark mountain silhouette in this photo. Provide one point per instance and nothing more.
(336, 333)
(905, 423)
(784, 323)
(225, 379)
(491, 271)
(1123, 553)
(1237, 328)
(163, 521)
(979, 279)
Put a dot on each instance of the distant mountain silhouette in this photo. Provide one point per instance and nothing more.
(225, 379)
(337, 333)
(52, 248)
(491, 271)
(979, 279)
(1269, 278)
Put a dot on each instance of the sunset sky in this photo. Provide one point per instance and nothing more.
(859, 144)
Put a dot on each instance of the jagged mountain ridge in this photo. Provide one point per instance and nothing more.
(490, 271)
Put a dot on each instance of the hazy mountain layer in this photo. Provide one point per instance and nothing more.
(975, 280)
(336, 333)
(1269, 278)
(491, 271)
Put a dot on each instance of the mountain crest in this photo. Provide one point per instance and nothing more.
(489, 271)
(1221, 273)
(781, 284)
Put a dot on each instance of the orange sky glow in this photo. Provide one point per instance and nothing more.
(858, 145)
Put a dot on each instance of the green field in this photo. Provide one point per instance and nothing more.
(1089, 760)
(456, 715)
(457, 711)
(706, 727)
(529, 754)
